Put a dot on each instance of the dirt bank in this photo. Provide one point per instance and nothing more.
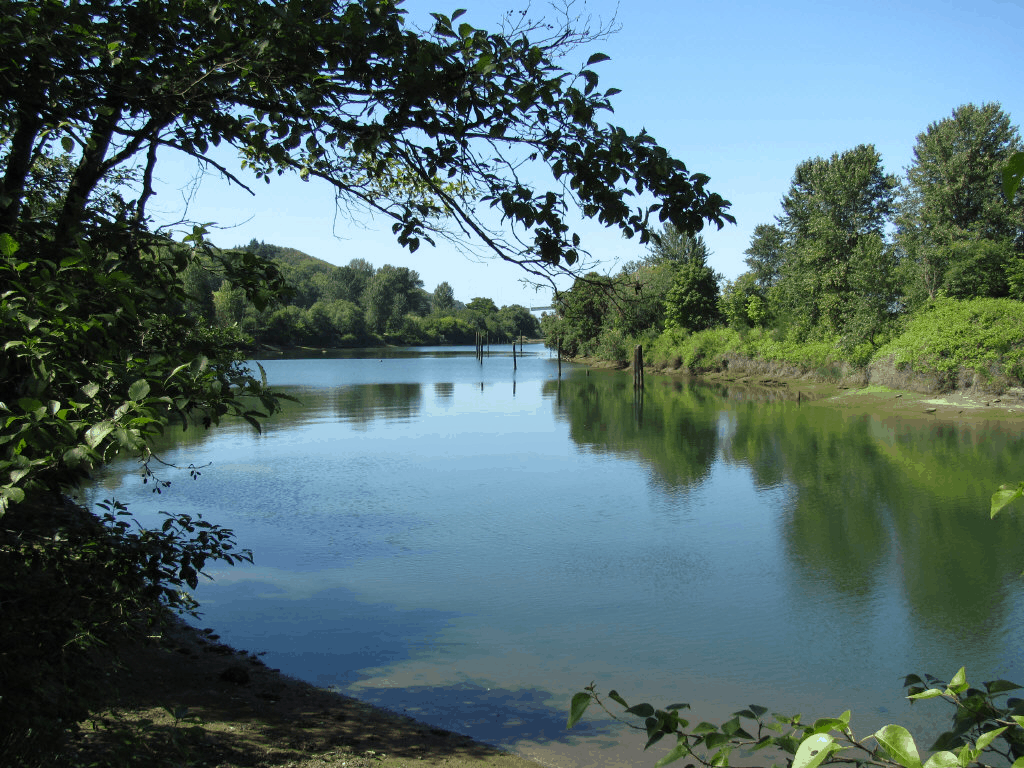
(849, 393)
(189, 700)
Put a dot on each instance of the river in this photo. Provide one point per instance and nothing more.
(471, 544)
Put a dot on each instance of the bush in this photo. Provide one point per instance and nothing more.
(72, 582)
(979, 341)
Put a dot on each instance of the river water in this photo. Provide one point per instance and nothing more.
(471, 545)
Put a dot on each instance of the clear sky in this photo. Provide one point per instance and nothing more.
(740, 91)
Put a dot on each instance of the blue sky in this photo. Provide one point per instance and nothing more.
(741, 91)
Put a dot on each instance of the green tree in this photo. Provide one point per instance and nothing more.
(692, 301)
(443, 298)
(766, 254)
(742, 302)
(582, 312)
(483, 305)
(516, 321)
(958, 232)
(836, 277)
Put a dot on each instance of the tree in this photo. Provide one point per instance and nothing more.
(766, 254)
(692, 301)
(957, 230)
(443, 299)
(582, 311)
(675, 247)
(836, 273)
(483, 305)
(423, 129)
(386, 299)
(516, 321)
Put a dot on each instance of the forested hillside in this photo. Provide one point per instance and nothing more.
(918, 278)
(349, 306)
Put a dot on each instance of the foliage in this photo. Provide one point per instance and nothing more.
(986, 728)
(92, 366)
(957, 228)
(74, 582)
(692, 301)
(765, 254)
(984, 337)
(742, 303)
(443, 298)
(835, 274)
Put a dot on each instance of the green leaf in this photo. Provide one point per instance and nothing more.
(826, 724)
(899, 744)
(1018, 763)
(1004, 496)
(812, 751)
(8, 245)
(721, 757)
(90, 390)
(959, 682)
(679, 750)
(138, 390)
(95, 434)
(942, 760)
(1013, 174)
(614, 696)
(1000, 686)
(988, 737)
(577, 707)
(597, 58)
(1018, 720)
(14, 495)
(931, 693)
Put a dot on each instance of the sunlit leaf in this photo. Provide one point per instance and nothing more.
(899, 744)
(1005, 496)
(678, 751)
(812, 751)
(942, 760)
(959, 681)
(931, 693)
(95, 434)
(988, 737)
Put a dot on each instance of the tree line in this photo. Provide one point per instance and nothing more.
(352, 305)
(855, 253)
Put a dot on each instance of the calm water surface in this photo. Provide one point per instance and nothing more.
(471, 546)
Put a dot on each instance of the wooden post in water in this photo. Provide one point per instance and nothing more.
(514, 366)
(559, 358)
(638, 367)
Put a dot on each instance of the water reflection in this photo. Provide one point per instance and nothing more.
(868, 498)
(364, 403)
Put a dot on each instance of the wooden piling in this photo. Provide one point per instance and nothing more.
(514, 366)
(559, 358)
(638, 367)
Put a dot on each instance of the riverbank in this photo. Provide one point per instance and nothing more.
(187, 699)
(958, 405)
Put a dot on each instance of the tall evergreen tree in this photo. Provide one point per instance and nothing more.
(957, 232)
(836, 275)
